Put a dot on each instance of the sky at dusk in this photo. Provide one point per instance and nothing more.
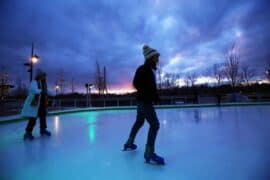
(71, 35)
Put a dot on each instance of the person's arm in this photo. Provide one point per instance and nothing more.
(138, 79)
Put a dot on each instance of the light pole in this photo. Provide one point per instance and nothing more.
(33, 59)
(88, 87)
(56, 89)
(56, 93)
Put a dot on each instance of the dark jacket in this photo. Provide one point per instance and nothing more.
(42, 110)
(145, 84)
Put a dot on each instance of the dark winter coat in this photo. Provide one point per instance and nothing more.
(145, 83)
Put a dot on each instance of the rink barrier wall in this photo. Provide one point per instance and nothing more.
(18, 118)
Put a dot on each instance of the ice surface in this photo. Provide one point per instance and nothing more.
(230, 143)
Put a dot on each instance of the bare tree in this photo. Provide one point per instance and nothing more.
(167, 81)
(218, 73)
(105, 90)
(72, 86)
(192, 79)
(231, 67)
(247, 74)
(186, 81)
(98, 78)
(159, 72)
(170, 80)
(101, 79)
(177, 78)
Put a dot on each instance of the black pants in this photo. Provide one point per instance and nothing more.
(145, 111)
(32, 122)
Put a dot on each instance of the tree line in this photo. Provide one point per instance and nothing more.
(229, 71)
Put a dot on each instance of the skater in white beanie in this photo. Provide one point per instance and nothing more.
(145, 84)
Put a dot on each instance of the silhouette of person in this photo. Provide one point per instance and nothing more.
(145, 83)
(35, 105)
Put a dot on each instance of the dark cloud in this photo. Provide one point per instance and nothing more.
(73, 35)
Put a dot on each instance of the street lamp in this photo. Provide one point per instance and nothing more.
(56, 89)
(57, 103)
(33, 59)
(88, 87)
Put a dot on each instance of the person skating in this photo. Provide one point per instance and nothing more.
(35, 105)
(145, 83)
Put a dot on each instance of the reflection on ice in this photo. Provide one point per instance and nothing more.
(91, 119)
(56, 124)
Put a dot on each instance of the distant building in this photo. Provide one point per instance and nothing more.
(5, 86)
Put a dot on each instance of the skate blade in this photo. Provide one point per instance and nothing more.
(155, 163)
(128, 149)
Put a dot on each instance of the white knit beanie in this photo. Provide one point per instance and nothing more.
(149, 52)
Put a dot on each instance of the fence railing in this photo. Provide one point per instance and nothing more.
(14, 106)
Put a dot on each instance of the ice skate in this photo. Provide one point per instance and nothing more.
(130, 147)
(45, 133)
(154, 159)
(151, 157)
(28, 136)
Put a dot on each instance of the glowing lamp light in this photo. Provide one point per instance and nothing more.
(34, 58)
(89, 86)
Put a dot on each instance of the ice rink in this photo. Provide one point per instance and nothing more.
(214, 143)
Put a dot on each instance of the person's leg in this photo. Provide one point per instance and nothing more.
(129, 145)
(43, 122)
(43, 125)
(137, 125)
(29, 128)
(151, 117)
(30, 125)
(149, 155)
